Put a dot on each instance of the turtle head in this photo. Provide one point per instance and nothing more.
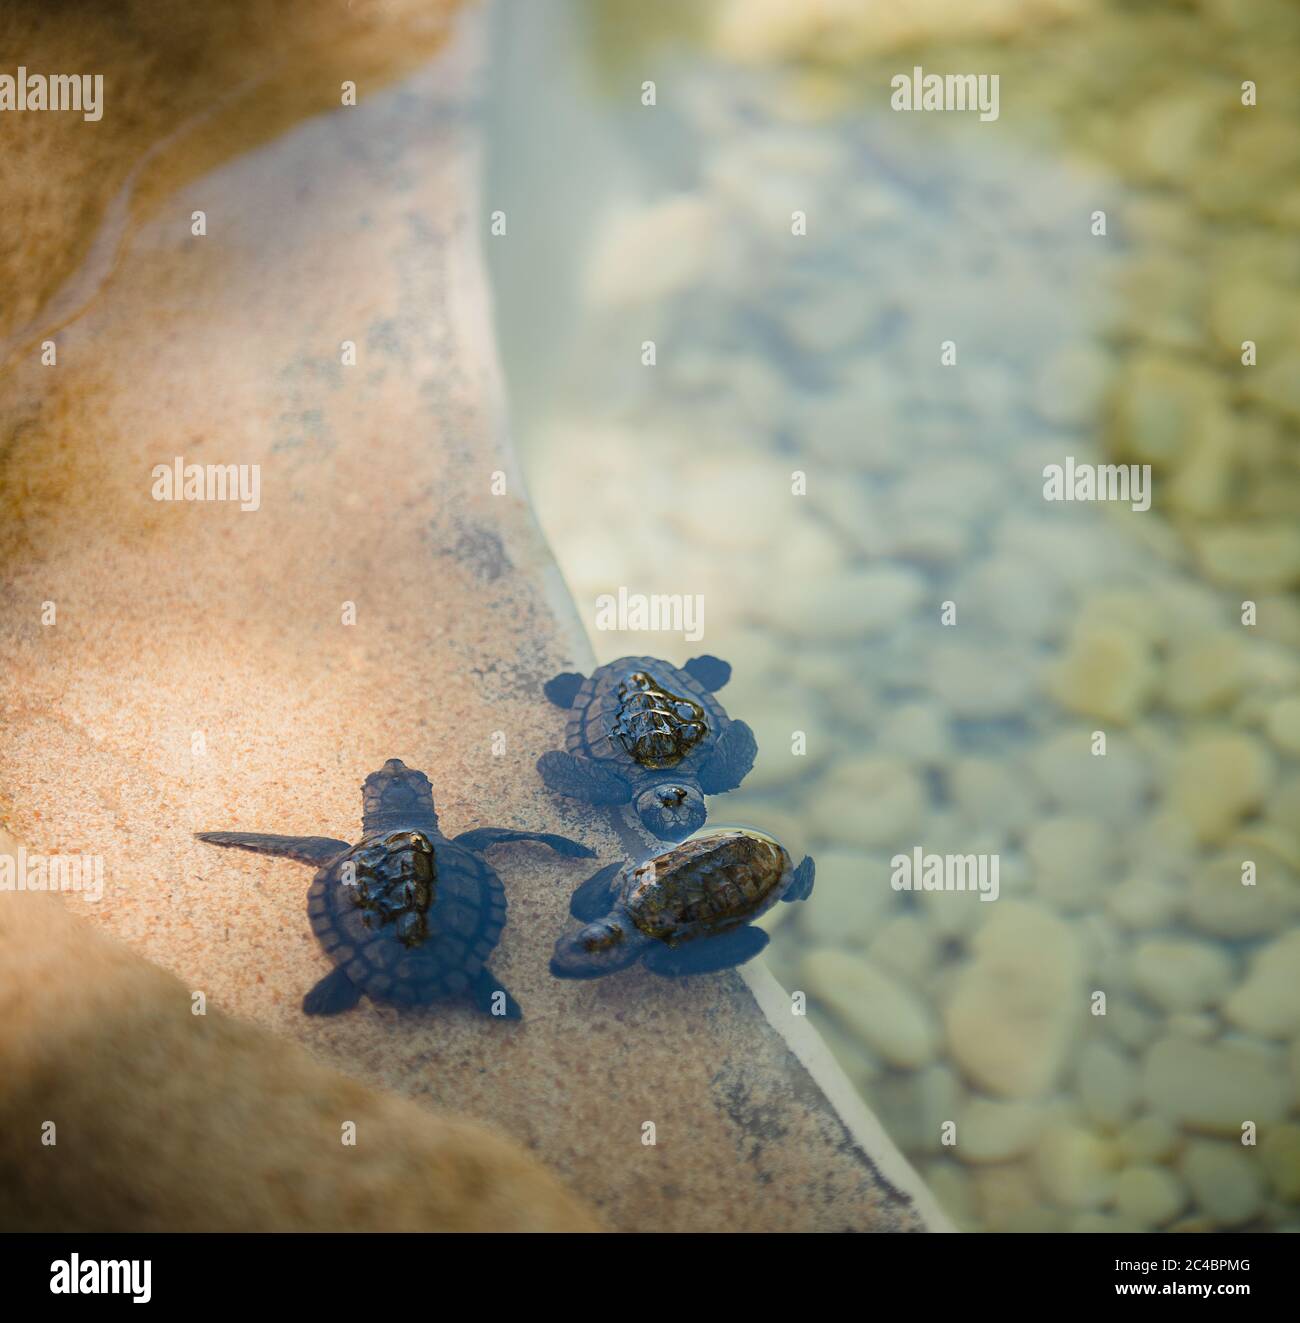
(397, 796)
(609, 944)
(671, 810)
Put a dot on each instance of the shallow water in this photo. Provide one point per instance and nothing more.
(932, 655)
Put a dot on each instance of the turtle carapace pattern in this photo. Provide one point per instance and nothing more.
(686, 911)
(644, 732)
(658, 729)
(407, 915)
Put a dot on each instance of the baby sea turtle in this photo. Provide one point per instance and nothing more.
(646, 732)
(406, 915)
(686, 911)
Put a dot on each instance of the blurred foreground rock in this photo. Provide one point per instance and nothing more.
(122, 1110)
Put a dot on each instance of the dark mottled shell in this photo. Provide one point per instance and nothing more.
(705, 885)
(413, 919)
(641, 714)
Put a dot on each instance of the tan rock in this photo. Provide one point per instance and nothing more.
(903, 945)
(1218, 903)
(1007, 1194)
(888, 1016)
(1283, 724)
(1205, 674)
(1149, 1139)
(648, 254)
(1224, 1180)
(1279, 1156)
(1218, 778)
(1149, 1196)
(1267, 1004)
(1071, 861)
(1077, 1169)
(1181, 975)
(1071, 383)
(1107, 1080)
(1163, 406)
(1260, 557)
(853, 896)
(991, 1130)
(869, 802)
(1107, 673)
(1246, 307)
(1013, 1009)
(1212, 1087)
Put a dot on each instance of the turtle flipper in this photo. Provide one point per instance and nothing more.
(731, 760)
(482, 838)
(707, 954)
(492, 999)
(562, 689)
(801, 884)
(334, 994)
(591, 900)
(712, 672)
(315, 850)
(582, 778)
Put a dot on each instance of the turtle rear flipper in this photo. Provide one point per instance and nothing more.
(591, 901)
(482, 838)
(315, 850)
(801, 884)
(707, 954)
(492, 999)
(582, 778)
(712, 672)
(334, 994)
(562, 689)
(731, 760)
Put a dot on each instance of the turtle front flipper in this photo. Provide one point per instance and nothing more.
(482, 838)
(801, 884)
(333, 995)
(562, 689)
(315, 850)
(492, 999)
(712, 672)
(731, 760)
(592, 900)
(707, 954)
(582, 778)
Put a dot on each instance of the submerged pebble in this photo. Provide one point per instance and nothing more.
(1212, 1087)
(1013, 1009)
(887, 1015)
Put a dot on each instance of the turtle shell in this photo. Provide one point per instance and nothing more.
(707, 885)
(644, 715)
(408, 915)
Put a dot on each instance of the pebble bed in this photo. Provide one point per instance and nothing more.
(948, 643)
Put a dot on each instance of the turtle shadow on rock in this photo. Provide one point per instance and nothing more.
(649, 734)
(407, 915)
